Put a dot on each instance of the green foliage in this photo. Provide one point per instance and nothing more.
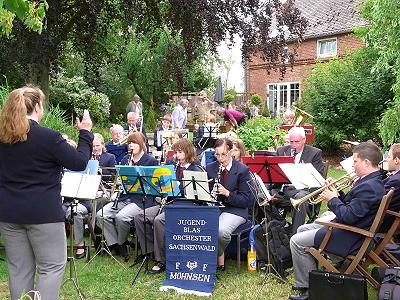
(30, 13)
(256, 99)
(382, 34)
(265, 111)
(257, 133)
(4, 91)
(347, 99)
(74, 95)
(229, 98)
(55, 118)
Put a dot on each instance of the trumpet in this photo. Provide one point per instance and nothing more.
(124, 140)
(314, 198)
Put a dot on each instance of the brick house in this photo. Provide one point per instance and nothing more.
(328, 35)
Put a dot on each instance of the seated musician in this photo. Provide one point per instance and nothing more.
(288, 117)
(185, 156)
(133, 124)
(84, 206)
(393, 180)
(127, 207)
(165, 125)
(238, 149)
(303, 154)
(105, 159)
(206, 131)
(357, 208)
(114, 146)
(232, 191)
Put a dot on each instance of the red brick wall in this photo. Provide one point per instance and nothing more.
(257, 77)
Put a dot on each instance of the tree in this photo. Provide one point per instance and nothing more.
(32, 15)
(382, 34)
(346, 99)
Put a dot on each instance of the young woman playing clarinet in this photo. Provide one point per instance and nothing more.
(232, 191)
(127, 207)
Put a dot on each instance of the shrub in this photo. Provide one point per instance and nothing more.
(347, 99)
(257, 133)
(74, 95)
(256, 99)
(229, 98)
(56, 119)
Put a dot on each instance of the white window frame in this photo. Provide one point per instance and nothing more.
(290, 101)
(329, 54)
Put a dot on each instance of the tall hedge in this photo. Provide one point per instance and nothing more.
(347, 98)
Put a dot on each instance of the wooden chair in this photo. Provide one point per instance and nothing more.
(374, 256)
(355, 261)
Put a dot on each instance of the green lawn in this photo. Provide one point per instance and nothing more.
(104, 279)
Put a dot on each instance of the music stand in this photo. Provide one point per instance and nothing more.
(195, 186)
(133, 182)
(103, 247)
(73, 277)
(267, 167)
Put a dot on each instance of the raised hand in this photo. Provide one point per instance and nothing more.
(86, 122)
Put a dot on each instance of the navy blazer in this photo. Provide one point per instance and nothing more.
(391, 181)
(30, 174)
(119, 151)
(309, 155)
(145, 160)
(358, 208)
(107, 160)
(239, 200)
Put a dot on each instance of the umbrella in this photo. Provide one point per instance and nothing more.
(219, 91)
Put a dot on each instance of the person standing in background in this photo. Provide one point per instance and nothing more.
(31, 215)
(179, 114)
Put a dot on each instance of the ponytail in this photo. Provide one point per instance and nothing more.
(14, 124)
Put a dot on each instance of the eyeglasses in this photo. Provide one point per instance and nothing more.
(221, 155)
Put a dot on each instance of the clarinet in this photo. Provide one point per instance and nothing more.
(116, 200)
(217, 181)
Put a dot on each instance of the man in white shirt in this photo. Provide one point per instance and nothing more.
(179, 114)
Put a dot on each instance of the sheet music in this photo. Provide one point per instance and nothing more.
(347, 165)
(303, 176)
(80, 186)
(202, 190)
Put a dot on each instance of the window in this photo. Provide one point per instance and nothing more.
(282, 96)
(327, 48)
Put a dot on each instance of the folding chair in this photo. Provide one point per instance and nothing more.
(362, 252)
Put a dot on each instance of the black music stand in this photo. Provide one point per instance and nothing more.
(267, 167)
(128, 184)
(73, 277)
(197, 188)
(209, 137)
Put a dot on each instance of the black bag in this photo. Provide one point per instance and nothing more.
(335, 286)
(279, 248)
(389, 278)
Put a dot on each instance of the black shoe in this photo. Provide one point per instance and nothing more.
(123, 251)
(157, 269)
(302, 296)
(97, 242)
(221, 268)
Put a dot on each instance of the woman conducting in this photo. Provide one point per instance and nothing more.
(31, 215)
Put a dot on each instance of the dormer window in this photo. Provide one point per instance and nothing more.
(326, 48)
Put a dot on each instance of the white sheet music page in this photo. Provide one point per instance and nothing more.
(303, 176)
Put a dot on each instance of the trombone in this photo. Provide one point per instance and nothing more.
(314, 198)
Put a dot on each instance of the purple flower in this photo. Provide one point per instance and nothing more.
(163, 107)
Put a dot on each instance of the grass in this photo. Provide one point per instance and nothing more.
(104, 279)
